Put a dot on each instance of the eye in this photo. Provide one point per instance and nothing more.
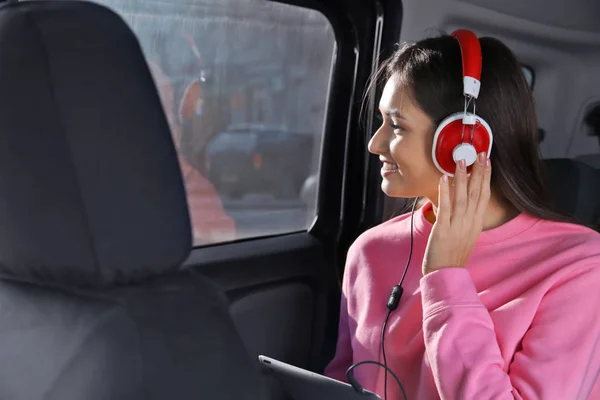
(395, 127)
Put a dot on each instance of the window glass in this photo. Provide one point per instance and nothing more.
(244, 85)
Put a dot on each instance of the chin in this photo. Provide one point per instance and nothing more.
(393, 189)
(399, 188)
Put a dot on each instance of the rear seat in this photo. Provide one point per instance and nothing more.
(593, 160)
(575, 188)
(592, 121)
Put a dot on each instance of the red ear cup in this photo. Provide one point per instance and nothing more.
(448, 137)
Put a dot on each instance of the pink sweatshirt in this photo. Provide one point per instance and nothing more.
(521, 321)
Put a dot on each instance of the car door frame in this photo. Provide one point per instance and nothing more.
(365, 32)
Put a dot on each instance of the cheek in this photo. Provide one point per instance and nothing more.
(409, 153)
(398, 150)
(414, 159)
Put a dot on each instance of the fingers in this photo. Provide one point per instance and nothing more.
(484, 197)
(460, 190)
(475, 185)
(478, 187)
(444, 203)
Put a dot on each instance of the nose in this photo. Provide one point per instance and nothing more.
(378, 143)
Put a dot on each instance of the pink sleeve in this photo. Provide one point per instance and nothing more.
(343, 353)
(560, 353)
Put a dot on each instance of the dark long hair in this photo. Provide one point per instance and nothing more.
(432, 70)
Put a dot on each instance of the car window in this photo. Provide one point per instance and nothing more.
(244, 85)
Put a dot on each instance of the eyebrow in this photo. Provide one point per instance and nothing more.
(394, 113)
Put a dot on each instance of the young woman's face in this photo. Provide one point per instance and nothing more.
(403, 143)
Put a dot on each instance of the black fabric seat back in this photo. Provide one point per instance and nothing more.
(575, 189)
(94, 225)
(593, 160)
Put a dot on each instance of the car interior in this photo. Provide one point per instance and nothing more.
(105, 291)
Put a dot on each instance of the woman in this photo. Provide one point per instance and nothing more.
(502, 295)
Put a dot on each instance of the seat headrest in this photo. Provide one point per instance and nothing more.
(90, 185)
(575, 188)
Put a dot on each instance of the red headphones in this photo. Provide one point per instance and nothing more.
(465, 134)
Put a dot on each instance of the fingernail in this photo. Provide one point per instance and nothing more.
(445, 179)
(482, 158)
(462, 164)
(488, 163)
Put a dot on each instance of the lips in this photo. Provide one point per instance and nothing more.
(390, 167)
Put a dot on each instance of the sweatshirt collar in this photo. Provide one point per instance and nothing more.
(508, 230)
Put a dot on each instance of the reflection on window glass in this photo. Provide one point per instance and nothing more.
(244, 85)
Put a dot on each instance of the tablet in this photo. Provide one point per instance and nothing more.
(305, 385)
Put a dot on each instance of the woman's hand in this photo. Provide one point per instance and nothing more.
(459, 219)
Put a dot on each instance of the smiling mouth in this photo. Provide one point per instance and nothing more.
(388, 169)
(388, 166)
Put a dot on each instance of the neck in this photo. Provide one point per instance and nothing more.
(496, 214)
